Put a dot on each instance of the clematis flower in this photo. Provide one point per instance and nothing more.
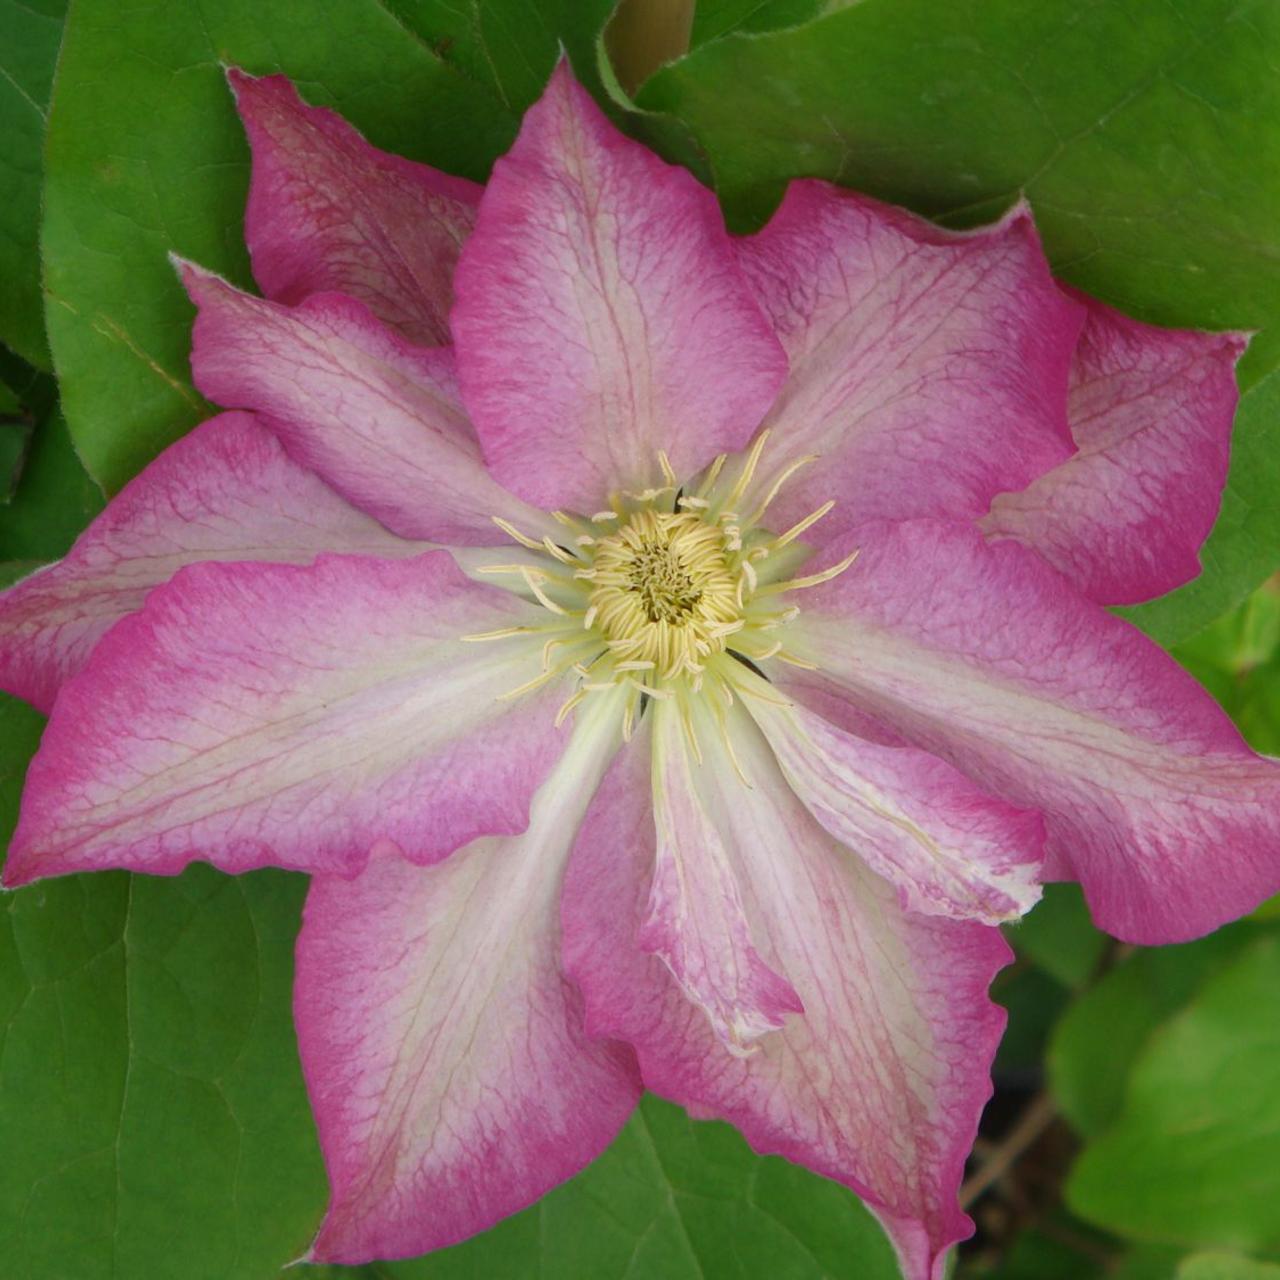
(670, 655)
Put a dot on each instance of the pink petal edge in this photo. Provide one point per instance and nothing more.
(444, 1050)
(376, 417)
(987, 657)
(928, 367)
(289, 715)
(880, 1083)
(328, 213)
(600, 314)
(695, 921)
(947, 847)
(225, 491)
(1151, 412)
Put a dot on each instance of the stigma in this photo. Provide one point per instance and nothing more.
(666, 591)
(665, 594)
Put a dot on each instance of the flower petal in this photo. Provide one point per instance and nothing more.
(444, 1050)
(257, 714)
(377, 418)
(601, 316)
(881, 1081)
(226, 491)
(928, 367)
(695, 920)
(987, 657)
(1151, 411)
(947, 847)
(330, 213)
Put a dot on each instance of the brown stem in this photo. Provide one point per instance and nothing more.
(1038, 1116)
(644, 34)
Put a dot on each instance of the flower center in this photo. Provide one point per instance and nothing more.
(663, 590)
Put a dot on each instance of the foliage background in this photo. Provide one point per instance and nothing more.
(152, 1119)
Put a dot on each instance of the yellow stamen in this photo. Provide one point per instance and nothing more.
(521, 570)
(748, 470)
(543, 599)
(720, 714)
(558, 552)
(776, 487)
(713, 474)
(512, 532)
(662, 585)
(567, 706)
(783, 656)
(528, 687)
(501, 634)
(813, 579)
(667, 588)
(807, 523)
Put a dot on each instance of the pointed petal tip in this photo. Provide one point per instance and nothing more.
(565, 89)
(545, 369)
(253, 92)
(22, 866)
(196, 280)
(242, 81)
(562, 76)
(1019, 211)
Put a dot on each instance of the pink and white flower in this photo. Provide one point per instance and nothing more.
(671, 656)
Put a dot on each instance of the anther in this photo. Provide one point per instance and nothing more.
(512, 532)
(748, 470)
(557, 552)
(776, 487)
(812, 579)
(808, 522)
(543, 599)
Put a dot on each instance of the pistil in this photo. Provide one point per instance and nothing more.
(660, 590)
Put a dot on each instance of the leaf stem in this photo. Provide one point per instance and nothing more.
(1038, 1116)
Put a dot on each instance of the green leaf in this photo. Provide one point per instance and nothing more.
(12, 570)
(30, 32)
(1238, 660)
(20, 728)
(713, 19)
(1037, 1255)
(510, 46)
(1146, 1262)
(1192, 1158)
(1240, 640)
(145, 155)
(1059, 936)
(1226, 1266)
(1242, 549)
(1102, 1035)
(151, 1106)
(154, 1121)
(55, 499)
(16, 425)
(1147, 136)
(681, 1200)
(152, 1113)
